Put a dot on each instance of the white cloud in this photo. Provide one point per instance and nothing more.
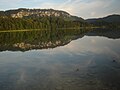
(83, 8)
(86, 9)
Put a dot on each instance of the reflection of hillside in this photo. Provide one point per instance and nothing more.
(113, 34)
(40, 45)
(38, 39)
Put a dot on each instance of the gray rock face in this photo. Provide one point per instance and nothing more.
(20, 13)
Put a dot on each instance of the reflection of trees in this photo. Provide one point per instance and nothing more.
(37, 39)
(113, 34)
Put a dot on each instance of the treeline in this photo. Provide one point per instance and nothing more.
(39, 39)
(38, 23)
(104, 24)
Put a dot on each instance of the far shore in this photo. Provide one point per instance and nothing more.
(24, 30)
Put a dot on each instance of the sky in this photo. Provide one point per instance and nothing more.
(82, 8)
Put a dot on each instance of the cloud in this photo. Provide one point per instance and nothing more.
(83, 8)
(86, 8)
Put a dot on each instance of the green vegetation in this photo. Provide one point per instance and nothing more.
(111, 21)
(38, 23)
(34, 19)
(104, 24)
(38, 39)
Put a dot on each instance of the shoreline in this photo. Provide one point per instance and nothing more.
(25, 30)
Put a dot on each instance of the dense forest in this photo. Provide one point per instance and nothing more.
(104, 24)
(21, 19)
(111, 21)
(38, 23)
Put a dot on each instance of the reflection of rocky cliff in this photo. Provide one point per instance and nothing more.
(37, 39)
(39, 45)
(113, 34)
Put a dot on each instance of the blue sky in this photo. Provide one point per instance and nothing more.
(82, 8)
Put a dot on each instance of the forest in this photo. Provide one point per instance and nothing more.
(39, 23)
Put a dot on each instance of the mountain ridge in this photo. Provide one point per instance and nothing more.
(110, 21)
(24, 12)
(109, 18)
(23, 18)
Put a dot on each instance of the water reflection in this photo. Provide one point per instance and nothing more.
(38, 39)
(23, 41)
(84, 64)
(109, 33)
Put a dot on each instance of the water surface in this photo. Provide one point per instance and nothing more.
(61, 60)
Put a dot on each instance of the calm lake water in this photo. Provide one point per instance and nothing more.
(60, 60)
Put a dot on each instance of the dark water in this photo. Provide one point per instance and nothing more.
(60, 60)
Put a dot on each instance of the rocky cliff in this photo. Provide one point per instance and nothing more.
(20, 13)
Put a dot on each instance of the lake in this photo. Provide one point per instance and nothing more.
(60, 60)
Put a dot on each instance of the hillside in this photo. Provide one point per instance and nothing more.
(110, 21)
(22, 18)
(38, 19)
(111, 18)
(34, 13)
